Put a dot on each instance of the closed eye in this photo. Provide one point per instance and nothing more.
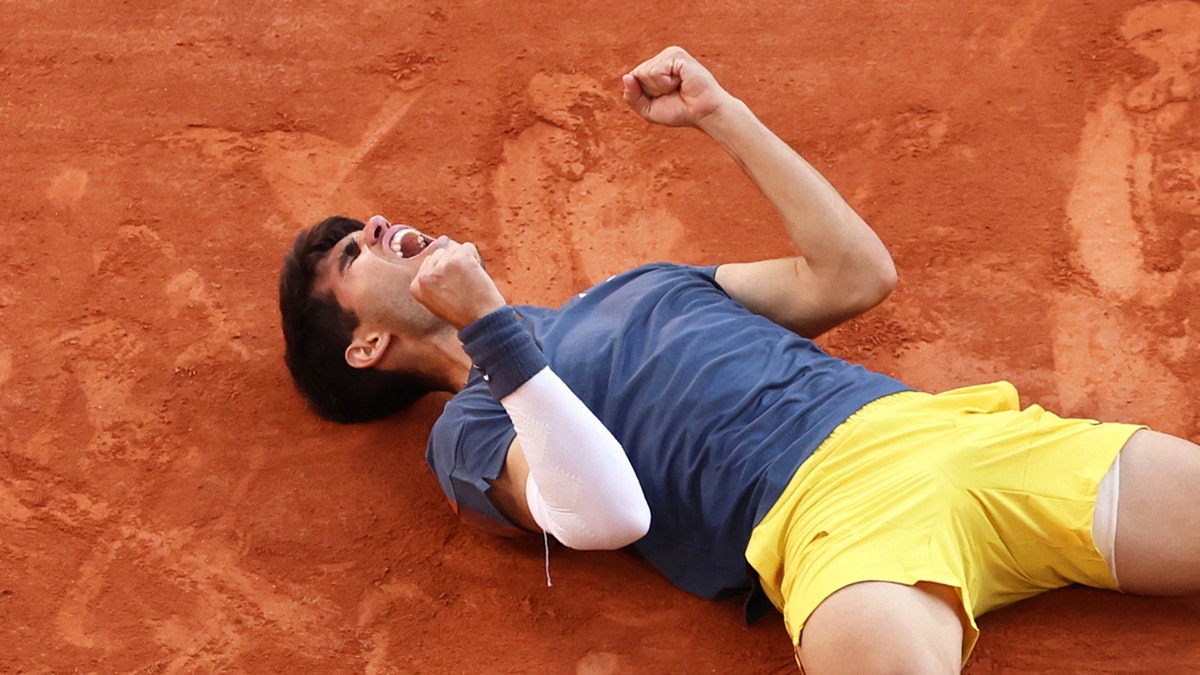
(349, 252)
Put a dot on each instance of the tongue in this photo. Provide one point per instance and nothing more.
(410, 243)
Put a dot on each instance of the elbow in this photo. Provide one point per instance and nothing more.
(620, 529)
(631, 530)
(874, 283)
(637, 522)
(884, 280)
(629, 526)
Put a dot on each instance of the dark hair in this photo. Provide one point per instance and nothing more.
(317, 331)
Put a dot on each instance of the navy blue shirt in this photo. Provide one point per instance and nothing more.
(715, 406)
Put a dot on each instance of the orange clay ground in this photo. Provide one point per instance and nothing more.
(168, 505)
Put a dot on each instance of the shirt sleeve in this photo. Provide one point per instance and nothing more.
(467, 449)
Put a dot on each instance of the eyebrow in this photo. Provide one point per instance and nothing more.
(349, 252)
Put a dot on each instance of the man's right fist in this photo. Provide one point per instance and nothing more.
(453, 285)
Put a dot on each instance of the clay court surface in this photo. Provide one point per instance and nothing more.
(167, 504)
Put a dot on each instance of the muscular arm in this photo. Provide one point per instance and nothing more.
(844, 268)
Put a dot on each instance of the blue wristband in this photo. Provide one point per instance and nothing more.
(502, 350)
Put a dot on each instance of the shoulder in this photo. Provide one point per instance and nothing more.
(469, 438)
(467, 451)
(471, 411)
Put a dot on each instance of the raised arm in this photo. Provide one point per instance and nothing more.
(843, 270)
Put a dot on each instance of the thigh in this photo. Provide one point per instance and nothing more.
(877, 627)
(1157, 545)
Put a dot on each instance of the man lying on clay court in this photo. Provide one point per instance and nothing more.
(686, 411)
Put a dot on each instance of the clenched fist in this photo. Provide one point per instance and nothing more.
(453, 285)
(673, 89)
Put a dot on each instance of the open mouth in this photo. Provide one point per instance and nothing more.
(405, 241)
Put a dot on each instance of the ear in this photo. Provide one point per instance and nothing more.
(367, 348)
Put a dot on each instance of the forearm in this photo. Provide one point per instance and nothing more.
(581, 487)
(843, 268)
(838, 246)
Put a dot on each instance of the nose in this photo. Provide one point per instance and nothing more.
(374, 230)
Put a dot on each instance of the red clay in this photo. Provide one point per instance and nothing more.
(168, 505)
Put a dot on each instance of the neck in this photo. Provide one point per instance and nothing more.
(448, 363)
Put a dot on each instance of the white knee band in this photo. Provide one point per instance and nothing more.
(1104, 520)
(582, 488)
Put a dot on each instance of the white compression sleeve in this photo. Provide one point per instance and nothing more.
(581, 488)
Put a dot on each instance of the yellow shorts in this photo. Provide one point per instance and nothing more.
(961, 488)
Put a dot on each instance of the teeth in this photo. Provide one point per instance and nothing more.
(396, 244)
(408, 242)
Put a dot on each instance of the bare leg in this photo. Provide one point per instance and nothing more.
(1158, 516)
(879, 627)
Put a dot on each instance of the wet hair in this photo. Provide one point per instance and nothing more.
(317, 331)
